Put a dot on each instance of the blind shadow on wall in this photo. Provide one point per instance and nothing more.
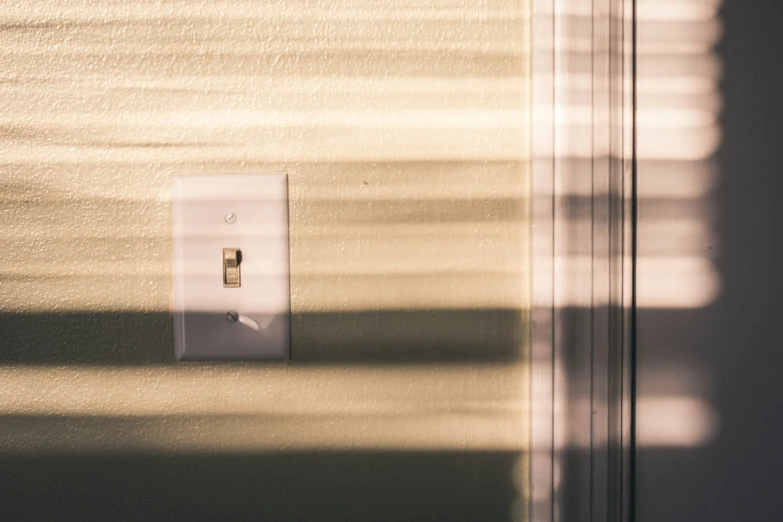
(402, 127)
(329, 338)
(299, 486)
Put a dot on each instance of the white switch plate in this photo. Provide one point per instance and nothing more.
(202, 226)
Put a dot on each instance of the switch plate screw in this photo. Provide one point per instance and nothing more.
(232, 317)
(231, 218)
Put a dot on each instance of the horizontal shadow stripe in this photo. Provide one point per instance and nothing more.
(362, 337)
(309, 486)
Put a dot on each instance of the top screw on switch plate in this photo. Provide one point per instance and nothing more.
(231, 218)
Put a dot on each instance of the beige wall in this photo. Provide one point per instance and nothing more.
(402, 126)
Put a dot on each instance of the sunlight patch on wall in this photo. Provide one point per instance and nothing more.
(403, 129)
(228, 409)
(679, 105)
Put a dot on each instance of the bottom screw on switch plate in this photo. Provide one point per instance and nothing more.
(232, 317)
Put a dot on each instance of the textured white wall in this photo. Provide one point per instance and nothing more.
(402, 126)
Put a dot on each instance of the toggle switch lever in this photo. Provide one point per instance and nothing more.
(232, 258)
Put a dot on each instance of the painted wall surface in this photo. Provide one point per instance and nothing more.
(403, 129)
(719, 357)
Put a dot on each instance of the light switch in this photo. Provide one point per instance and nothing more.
(231, 295)
(231, 260)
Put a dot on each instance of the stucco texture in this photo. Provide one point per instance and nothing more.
(403, 129)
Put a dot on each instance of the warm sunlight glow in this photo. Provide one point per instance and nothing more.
(192, 409)
(679, 105)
